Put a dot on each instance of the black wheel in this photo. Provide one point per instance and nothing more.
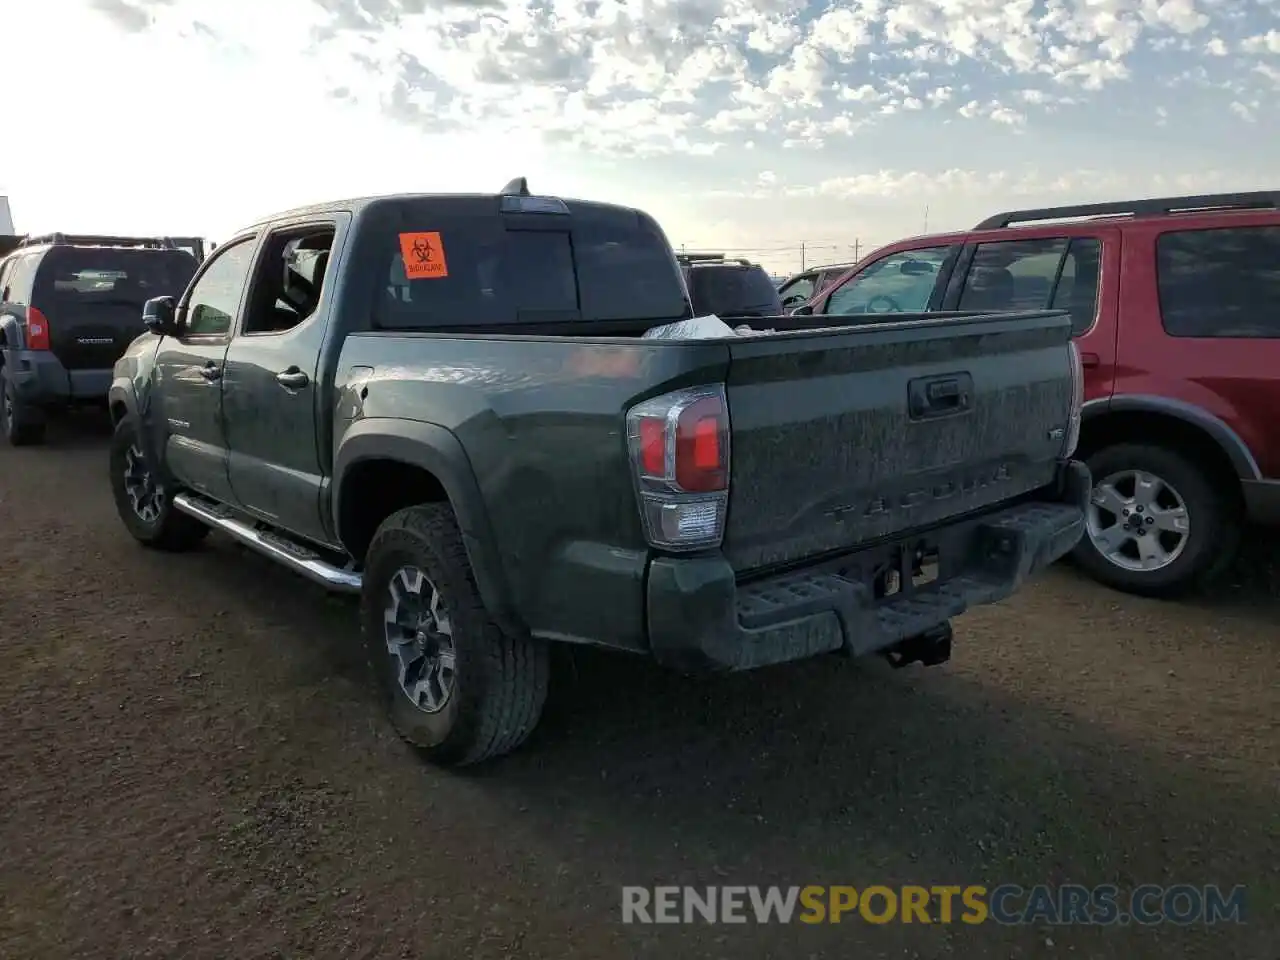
(1157, 525)
(143, 502)
(21, 427)
(456, 686)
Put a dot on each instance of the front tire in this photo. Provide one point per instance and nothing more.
(144, 504)
(456, 687)
(21, 427)
(1156, 525)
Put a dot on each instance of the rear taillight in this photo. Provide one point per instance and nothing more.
(679, 446)
(1072, 438)
(37, 330)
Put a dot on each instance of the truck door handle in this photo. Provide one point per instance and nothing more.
(293, 378)
(1090, 360)
(211, 371)
(939, 396)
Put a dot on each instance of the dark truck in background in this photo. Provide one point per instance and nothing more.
(731, 289)
(446, 405)
(69, 306)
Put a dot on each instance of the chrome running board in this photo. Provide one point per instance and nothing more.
(272, 545)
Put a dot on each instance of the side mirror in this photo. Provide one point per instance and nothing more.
(915, 268)
(803, 311)
(160, 316)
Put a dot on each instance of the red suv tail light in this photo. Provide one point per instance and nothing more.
(679, 447)
(37, 330)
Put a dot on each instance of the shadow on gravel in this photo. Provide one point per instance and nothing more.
(838, 773)
(822, 772)
(81, 429)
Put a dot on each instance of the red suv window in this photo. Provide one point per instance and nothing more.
(1220, 283)
(1057, 273)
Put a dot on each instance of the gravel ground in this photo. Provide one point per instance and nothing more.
(192, 764)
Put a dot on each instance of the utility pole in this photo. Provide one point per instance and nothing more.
(857, 245)
(926, 218)
(802, 256)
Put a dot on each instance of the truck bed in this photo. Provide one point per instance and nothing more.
(826, 453)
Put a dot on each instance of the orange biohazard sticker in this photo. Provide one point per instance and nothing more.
(423, 255)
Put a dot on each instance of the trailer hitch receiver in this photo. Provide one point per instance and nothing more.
(930, 648)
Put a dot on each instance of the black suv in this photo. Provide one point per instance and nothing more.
(731, 289)
(69, 305)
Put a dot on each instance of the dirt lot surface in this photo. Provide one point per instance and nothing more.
(192, 764)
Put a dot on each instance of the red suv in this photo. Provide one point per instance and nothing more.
(1176, 308)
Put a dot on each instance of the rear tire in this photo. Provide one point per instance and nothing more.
(456, 687)
(21, 426)
(147, 512)
(1184, 495)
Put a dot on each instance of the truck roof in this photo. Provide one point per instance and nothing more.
(357, 205)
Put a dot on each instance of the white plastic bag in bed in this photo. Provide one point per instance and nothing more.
(699, 328)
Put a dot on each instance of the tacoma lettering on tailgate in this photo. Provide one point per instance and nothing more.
(942, 490)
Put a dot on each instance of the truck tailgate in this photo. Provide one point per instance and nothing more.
(843, 437)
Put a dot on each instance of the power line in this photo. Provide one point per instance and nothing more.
(802, 254)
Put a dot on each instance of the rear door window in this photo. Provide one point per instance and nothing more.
(84, 277)
(598, 264)
(1013, 275)
(1220, 283)
(1058, 273)
(1077, 289)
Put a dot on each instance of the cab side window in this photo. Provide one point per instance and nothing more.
(899, 283)
(290, 279)
(215, 297)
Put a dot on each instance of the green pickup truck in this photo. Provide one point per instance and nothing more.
(448, 405)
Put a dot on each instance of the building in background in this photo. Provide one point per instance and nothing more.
(6, 217)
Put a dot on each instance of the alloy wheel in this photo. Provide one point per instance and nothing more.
(419, 638)
(1138, 521)
(140, 487)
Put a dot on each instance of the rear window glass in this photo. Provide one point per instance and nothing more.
(728, 290)
(112, 275)
(500, 272)
(1220, 283)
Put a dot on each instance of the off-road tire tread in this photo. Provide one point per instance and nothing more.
(176, 532)
(517, 668)
(1210, 510)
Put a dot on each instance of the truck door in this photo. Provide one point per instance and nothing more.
(272, 401)
(187, 404)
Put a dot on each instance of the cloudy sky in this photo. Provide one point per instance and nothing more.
(752, 125)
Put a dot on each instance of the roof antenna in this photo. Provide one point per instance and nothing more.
(519, 187)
